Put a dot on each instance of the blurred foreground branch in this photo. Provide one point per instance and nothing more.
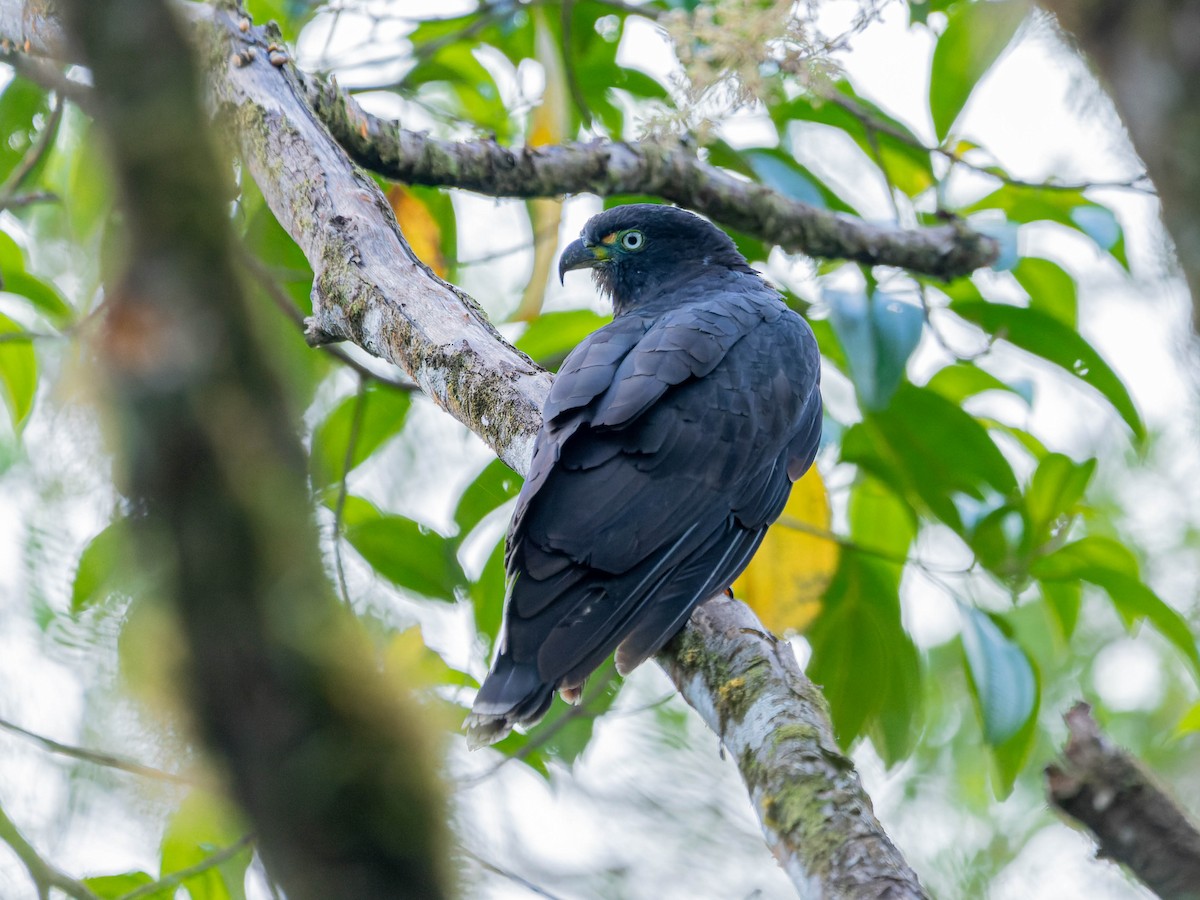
(607, 169)
(202, 414)
(1135, 823)
(322, 753)
(1145, 53)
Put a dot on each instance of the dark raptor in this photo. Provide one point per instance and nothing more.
(669, 442)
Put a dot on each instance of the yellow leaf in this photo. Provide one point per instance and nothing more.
(548, 120)
(419, 227)
(548, 123)
(787, 578)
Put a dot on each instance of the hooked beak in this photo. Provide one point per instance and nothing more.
(579, 255)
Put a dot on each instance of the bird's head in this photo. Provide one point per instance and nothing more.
(635, 251)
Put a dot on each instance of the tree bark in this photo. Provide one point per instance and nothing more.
(370, 289)
(608, 169)
(1134, 821)
(1146, 55)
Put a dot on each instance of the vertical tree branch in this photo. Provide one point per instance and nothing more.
(331, 768)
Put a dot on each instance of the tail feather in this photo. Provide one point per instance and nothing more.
(512, 694)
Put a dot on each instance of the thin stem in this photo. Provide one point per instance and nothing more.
(360, 406)
(44, 875)
(175, 879)
(95, 757)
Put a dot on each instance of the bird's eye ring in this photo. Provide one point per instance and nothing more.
(633, 240)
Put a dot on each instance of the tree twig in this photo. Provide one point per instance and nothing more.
(1134, 821)
(44, 875)
(95, 757)
(174, 879)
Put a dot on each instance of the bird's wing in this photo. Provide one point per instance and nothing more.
(662, 461)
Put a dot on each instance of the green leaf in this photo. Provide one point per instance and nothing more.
(1064, 598)
(1051, 290)
(408, 555)
(860, 649)
(1057, 486)
(105, 559)
(18, 372)
(44, 297)
(779, 170)
(114, 887)
(492, 488)
(929, 450)
(551, 336)
(1110, 565)
(22, 103)
(86, 197)
(878, 336)
(975, 36)
(1011, 757)
(1189, 722)
(487, 594)
(291, 15)
(566, 730)
(1000, 541)
(1068, 207)
(1041, 335)
(202, 826)
(1002, 678)
(276, 250)
(880, 521)
(962, 380)
(382, 417)
(890, 145)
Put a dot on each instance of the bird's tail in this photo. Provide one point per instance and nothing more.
(512, 694)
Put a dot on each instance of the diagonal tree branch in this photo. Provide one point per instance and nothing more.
(370, 289)
(1134, 821)
(607, 169)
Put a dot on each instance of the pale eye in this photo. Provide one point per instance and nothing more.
(632, 240)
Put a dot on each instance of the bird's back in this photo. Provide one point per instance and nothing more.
(669, 443)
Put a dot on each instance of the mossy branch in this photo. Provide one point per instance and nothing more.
(817, 819)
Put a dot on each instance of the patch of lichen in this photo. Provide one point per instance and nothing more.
(799, 811)
(799, 732)
(736, 694)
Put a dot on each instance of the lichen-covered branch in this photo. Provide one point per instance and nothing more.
(371, 290)
(1134, 821)
(607, 168)
(818, 821)
(1152, 72)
